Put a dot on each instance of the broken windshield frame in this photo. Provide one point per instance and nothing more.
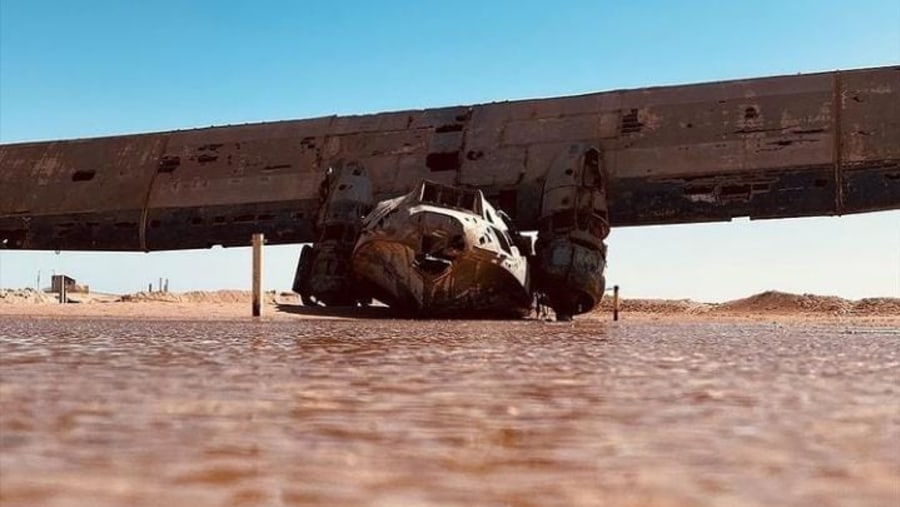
(451, 197)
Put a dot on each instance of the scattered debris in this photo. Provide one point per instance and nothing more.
(660, 306)
(217, 296)
(25, 296)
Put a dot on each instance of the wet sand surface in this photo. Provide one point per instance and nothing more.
(113, 412)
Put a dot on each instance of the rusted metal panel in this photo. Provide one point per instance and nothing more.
(754, 128)
(870, 117)
(763, 148)
(439, 250)
(870, 190)
(77, 176)
(770, 194)
(229, 225)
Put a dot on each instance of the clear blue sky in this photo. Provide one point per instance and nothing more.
(77, 69)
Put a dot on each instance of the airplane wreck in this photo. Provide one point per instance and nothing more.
(423, 209)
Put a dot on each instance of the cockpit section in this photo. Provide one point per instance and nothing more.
(462, 199)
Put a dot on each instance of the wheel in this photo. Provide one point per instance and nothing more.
(301, 277)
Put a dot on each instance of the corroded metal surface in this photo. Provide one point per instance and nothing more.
(818, 144)
(323, 274)
(442, 250)
(571, 254)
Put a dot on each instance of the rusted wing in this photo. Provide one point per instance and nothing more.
(817, 144)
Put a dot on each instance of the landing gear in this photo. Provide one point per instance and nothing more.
(301, 277)
(571, 253)
(323, 275)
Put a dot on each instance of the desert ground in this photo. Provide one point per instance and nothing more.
(185, 399)
(235, 304)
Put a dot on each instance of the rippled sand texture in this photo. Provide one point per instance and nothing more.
(140, 413)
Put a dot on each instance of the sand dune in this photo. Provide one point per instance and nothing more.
(769, 302)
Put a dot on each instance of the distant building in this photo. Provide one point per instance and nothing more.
(57, 282)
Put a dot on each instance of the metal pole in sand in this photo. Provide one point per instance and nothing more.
(257, 274)
(615, 302)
